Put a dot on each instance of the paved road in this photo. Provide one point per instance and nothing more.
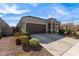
(55, 44)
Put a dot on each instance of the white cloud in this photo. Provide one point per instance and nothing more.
(34, 4)
(12, 9)
(53, 16)
(60, 9)
(63, 13)
(1, 15)
(50, 16)
(76, 22)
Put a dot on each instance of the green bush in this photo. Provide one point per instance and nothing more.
(18, 41)
(0, 35)
(34, 42)
(18, 34)
(68, 31)
(24, 40)
(61, 31)
(26, 33)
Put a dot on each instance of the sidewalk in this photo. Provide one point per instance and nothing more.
(74, 51)
(56, 44)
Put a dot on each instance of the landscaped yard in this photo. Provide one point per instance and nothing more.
(56, 44)
(50, 44)
(8, 47)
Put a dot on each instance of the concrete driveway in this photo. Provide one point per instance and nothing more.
(55, 44)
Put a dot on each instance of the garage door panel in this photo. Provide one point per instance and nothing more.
(36, 28)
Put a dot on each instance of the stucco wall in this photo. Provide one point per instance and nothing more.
(36, 20)
(55, 25)
(5, 28)
(25, 20)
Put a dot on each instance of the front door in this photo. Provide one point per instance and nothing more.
(49, 28)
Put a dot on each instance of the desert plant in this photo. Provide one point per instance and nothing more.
(26, 33)
(78, 30)
(61, 31)
(18, 41)
(24, 40)
(24, 54)
(34, 42)
(18, 34)
(68, 31)
(0, 35)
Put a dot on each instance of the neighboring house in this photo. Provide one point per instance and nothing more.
(38, 25)
(70, 26)
(5, 28)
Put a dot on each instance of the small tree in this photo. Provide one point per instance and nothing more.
(61, 31)
(68, 31)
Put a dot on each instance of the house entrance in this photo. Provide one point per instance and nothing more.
(49, 27)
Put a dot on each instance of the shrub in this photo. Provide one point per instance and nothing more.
(61, 31)
(24, 54)
(78, 29)
(0, 35)
(68, 31)
(74, 33)
(18, 34)
(18, 41)
(24, 40)
(26, 33)
(34, 42)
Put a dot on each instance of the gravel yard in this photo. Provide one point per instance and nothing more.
(8, 48)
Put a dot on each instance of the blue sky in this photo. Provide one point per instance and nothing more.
(11, 13)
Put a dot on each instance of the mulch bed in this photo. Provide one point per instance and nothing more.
(39, 51)
(42, 52)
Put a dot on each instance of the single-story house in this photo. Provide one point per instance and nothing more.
(5, 28)
(34, 24)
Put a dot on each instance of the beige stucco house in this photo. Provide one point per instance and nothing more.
(38, 25)
(5, 28)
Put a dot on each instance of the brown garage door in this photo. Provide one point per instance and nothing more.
(36, 28)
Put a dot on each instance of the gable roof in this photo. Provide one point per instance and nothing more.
(35, 18)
